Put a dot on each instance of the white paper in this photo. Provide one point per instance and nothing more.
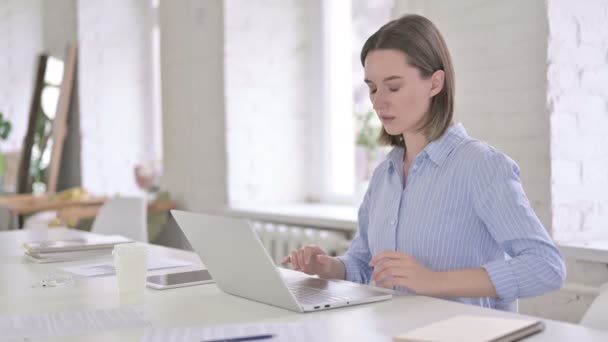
(68, 323)
(107, 267)
(287, 332)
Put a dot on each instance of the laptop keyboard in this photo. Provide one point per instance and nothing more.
(307, 295)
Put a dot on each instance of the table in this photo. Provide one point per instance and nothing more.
(206, 304)
(70, 206)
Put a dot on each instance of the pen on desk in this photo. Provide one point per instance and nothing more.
(243, 338)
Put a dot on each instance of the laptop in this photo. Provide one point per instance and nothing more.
(240, 265)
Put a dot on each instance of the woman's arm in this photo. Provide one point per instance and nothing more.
(397, 269)
(465, 283)
(536, 265)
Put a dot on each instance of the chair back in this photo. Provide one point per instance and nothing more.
(597, 314)
(126, 216)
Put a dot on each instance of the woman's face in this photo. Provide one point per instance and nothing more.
(400, 96)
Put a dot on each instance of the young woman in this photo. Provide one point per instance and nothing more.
(445, 215)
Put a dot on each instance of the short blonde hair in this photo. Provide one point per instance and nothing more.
(427, 51)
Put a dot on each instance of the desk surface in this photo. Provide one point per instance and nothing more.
(206, 304)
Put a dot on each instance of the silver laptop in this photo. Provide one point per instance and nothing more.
(240, 266)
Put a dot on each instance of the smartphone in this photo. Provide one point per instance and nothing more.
(173, 280)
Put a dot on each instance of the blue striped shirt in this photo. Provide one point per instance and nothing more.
(463, 206)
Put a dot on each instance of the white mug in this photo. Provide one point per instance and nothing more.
(130, 262)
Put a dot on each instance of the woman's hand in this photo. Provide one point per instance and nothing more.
(397, 269)
(313, 260)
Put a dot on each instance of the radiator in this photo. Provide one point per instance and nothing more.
(280, 240)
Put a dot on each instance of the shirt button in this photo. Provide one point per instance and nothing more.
(393, 222)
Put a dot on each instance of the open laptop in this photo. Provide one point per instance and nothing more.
(240, 266)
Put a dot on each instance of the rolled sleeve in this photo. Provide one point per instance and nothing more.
(536, 265)
(505, 282)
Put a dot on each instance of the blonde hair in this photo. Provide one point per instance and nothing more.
(426, 50)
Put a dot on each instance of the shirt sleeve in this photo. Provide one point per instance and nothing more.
(536, 265)
(357, 257)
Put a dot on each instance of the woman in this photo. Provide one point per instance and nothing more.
(445, 215)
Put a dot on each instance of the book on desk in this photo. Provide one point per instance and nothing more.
(90, 247)
(465, 328)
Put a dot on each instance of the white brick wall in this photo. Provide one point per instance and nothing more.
(267, 61)
(116, 94)
(578, 100)
(499, 54)
(20, 43)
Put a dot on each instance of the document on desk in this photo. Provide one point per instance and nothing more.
(275, 332)
(107, 267)
(20, 327)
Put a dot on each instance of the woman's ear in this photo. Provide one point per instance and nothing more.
(437, 81)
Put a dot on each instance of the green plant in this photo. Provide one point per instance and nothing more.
(41, 148)
(367, 131)
(5, 127)
(5, 131)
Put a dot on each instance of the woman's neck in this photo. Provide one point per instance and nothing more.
(414, 144)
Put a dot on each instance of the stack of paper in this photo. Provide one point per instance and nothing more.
(94, 246)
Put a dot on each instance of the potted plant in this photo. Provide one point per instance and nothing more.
(5, 130)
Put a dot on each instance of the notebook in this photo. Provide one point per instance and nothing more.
(77, 244)
(466, 328)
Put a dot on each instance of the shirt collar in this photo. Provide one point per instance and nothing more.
(437, 150)
(395, 158)
(440, 149)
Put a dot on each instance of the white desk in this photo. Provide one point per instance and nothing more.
(206, 304)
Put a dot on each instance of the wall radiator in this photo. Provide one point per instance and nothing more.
(280, 239)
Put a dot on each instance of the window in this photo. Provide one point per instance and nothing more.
(292, 85)
(345, 102)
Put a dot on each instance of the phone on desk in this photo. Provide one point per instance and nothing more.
(173, 280)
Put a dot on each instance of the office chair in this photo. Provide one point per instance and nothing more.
(126, 216)
(595, 316)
